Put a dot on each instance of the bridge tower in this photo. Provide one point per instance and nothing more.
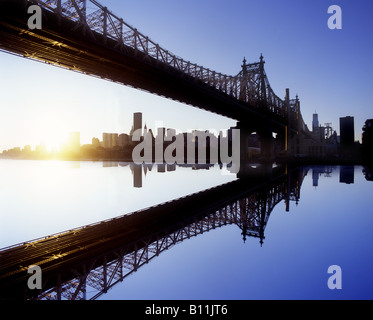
(244, 81)
(299, 125)
(255, 73)
(265, 131)
(262, 85)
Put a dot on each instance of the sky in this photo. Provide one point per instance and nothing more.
(330, 70)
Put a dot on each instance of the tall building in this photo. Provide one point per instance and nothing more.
(114, 139)
(137, 121)
(367, 138)
(106, 140)
(315, 122)
(368, 132)
(110, 140)
(347, 131)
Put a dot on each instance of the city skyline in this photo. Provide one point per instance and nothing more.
(43, 102)
(108, 139)
(122, 139)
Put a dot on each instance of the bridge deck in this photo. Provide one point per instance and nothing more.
(61, 42)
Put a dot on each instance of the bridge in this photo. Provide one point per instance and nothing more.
(100, 255)
(84, 36)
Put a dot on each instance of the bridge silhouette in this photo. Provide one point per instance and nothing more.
(100, 255)
(84, 36)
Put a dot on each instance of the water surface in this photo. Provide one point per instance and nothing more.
(330, 224)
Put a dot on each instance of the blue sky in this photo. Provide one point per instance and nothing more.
(330, 70)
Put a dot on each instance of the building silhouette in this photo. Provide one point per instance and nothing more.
(347, 131)
(110, 140)
(137, 121)
(347, 137)
(106, 143)
(367, 139)
(137, 175)
(123, 140)
(315, 122)
(96, 142)
(346, 174)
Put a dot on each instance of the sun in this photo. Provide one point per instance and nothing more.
(55, 140)
(54, 135)
(53, 130)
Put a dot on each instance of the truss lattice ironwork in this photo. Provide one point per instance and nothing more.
(250, 85)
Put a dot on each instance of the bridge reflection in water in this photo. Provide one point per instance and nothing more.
(86, 262)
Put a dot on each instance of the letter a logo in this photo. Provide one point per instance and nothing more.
(34, 282)
(34, 22)
(335, 280)
(335, 21)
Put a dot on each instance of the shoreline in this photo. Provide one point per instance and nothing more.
(293, 161)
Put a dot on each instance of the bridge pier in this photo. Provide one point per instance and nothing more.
(266, 149)
(266, 140)
(288, 128)
(244, 141)
(266, 143)
(281, 139)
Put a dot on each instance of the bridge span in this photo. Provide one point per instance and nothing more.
(85, 36)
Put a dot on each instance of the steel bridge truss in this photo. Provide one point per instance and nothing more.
(250, 85)
(250, 213)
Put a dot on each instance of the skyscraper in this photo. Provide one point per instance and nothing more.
(315, 122)
(367, 138)
(106, 140)
(137, 121)
(114, 139)
(347, 131)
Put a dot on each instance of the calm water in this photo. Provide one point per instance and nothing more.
(331, 224)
